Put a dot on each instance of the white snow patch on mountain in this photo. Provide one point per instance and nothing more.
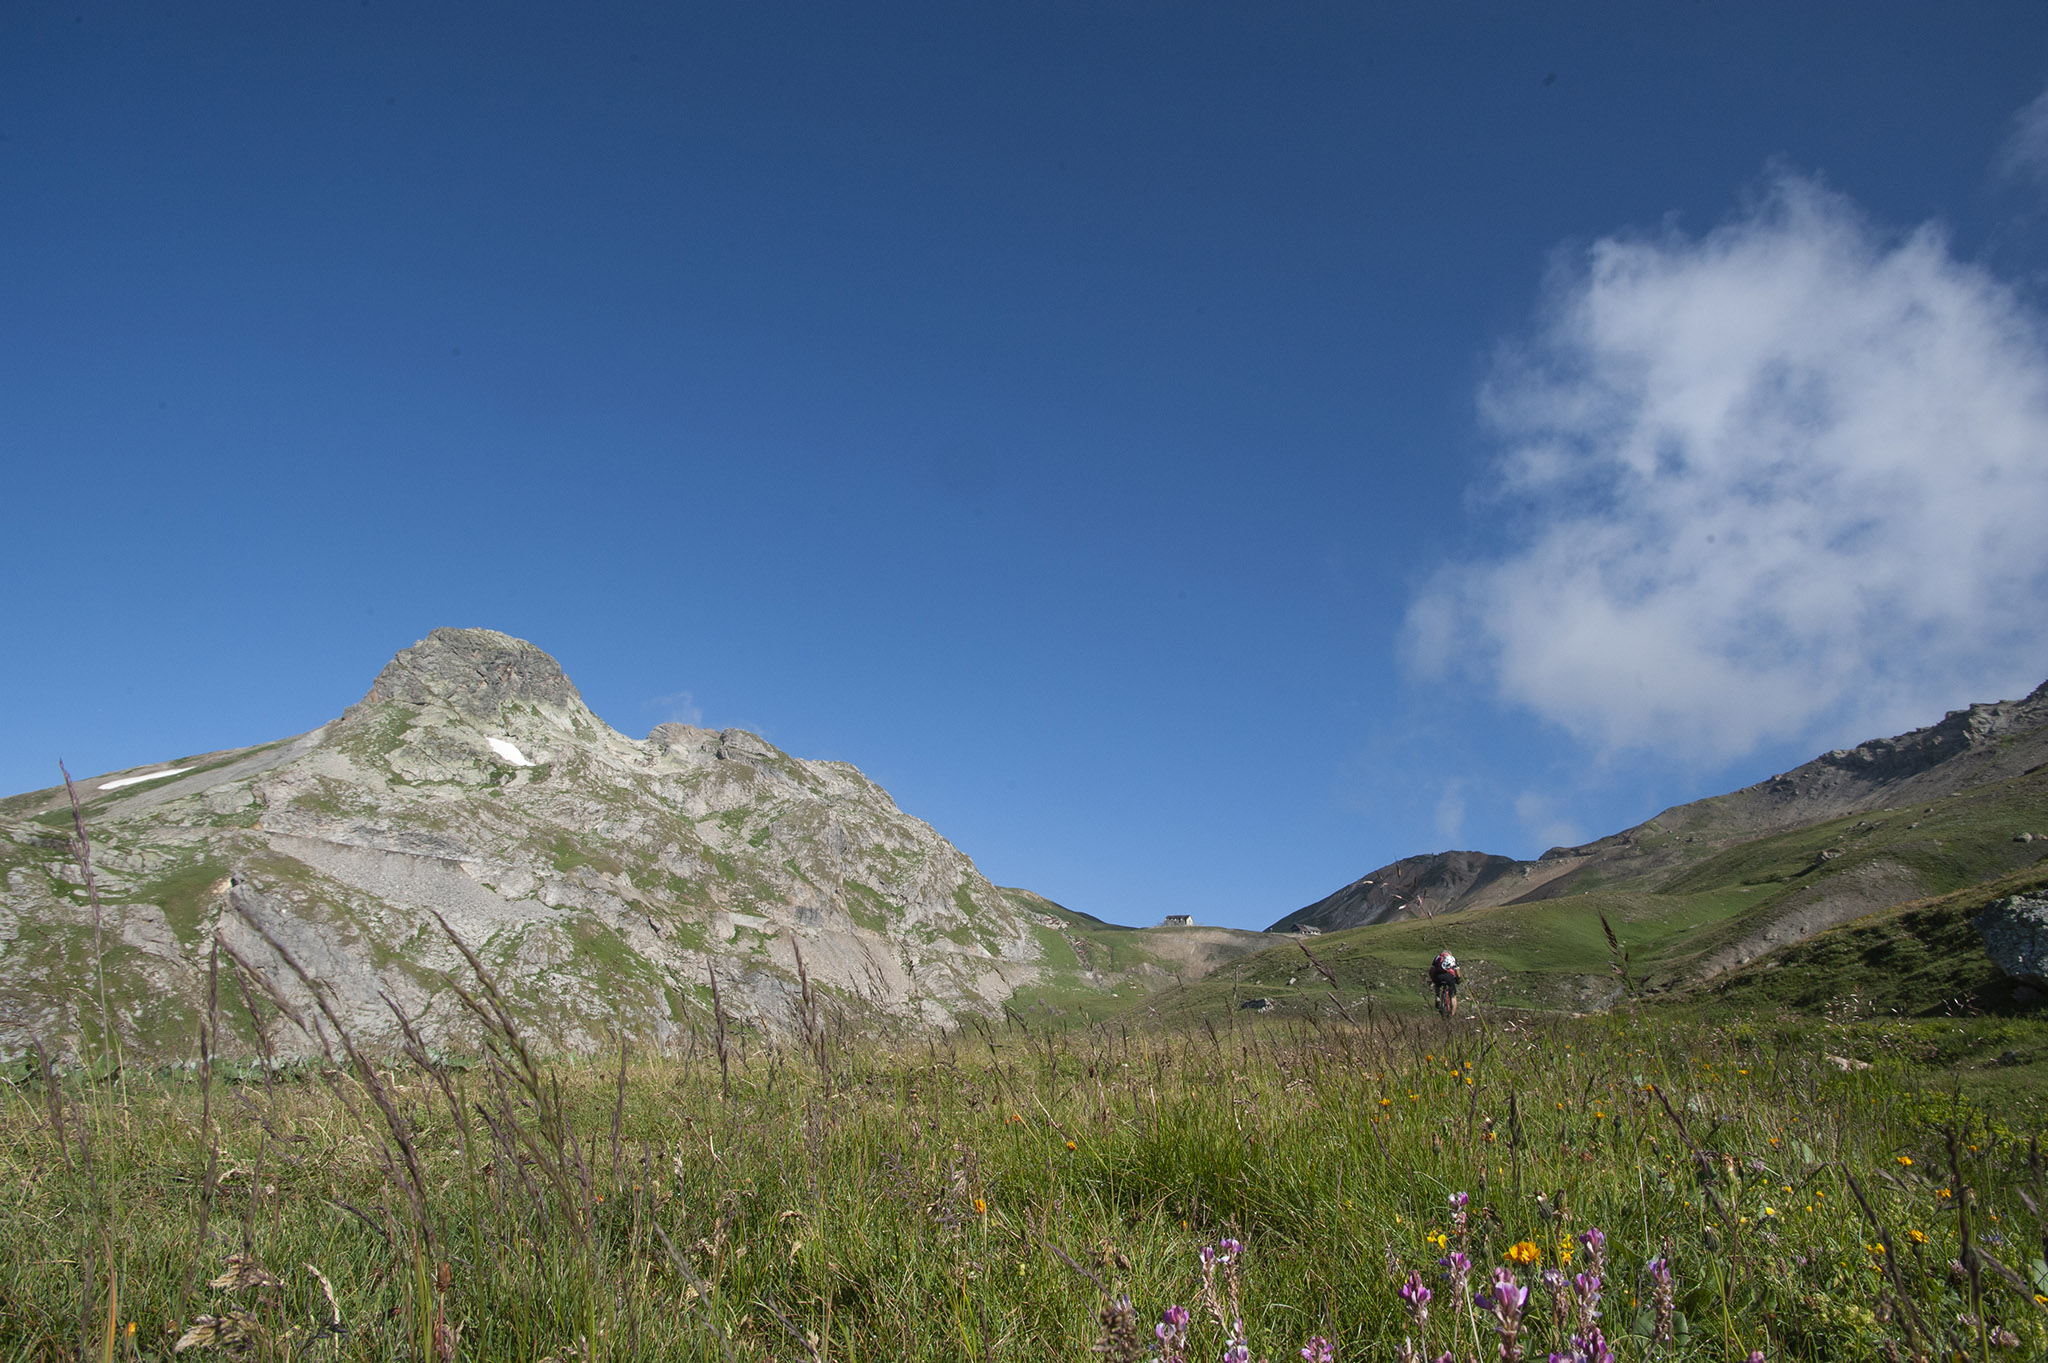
(136, 780)
(507, 749)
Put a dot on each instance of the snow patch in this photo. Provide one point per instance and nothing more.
(507, 749)
(134, 780)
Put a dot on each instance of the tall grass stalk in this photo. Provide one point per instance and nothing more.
(1035, 1192)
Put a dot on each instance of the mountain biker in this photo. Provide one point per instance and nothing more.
(1444, 976)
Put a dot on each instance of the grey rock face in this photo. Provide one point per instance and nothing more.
(600, 879)
(2015, 933)
(476, 671)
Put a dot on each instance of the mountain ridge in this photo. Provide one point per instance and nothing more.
(1973, 746)
(603, 878)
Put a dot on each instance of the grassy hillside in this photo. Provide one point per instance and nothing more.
(1726, 907)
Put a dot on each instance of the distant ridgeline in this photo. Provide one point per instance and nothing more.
(1944, 819)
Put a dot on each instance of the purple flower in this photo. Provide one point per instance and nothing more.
(1318, 1350)
(1208, 1255)
(1586, 1286)
(1590, 1347)
(1756, 1356)
(1172, 1331)
(1417, 1296)
(1507, 1293)
(1458, 1267)
(1505, 1300)
(1663, 1297)
(1240, 1352)
(1594, 1242)
(1460, 1201)
(1226, 1250)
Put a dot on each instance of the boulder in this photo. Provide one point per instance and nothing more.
(2015, 933)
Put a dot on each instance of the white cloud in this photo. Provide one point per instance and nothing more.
(1784, 480)
(680, 708)
(2025, 153)
(1450, 811)
(1538, 815)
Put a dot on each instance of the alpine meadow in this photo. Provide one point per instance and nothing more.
(1090, 680)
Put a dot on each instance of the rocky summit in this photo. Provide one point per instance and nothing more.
(603, 881)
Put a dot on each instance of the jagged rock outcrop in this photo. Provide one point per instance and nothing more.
(2015, 932)
(600, 878)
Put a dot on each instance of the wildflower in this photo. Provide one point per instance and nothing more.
(1318, 1350)
(131, 1328)
(1417, 1297)
(1437, 1238)
(1917, 1237)
(1524, 1252)
(1586, 1287)
(1505, 1299)
(1238, 1352)
(1595, 1243)
(980, 1207)
(1663, 1297)
(1755, 1356)
(1386, 1102)
(1906, 1159)
(1558, 1288)
(1072, 1146)
(1172, 1334)
(1458, 1268)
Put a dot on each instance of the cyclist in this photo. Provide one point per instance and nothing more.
(1444, 976)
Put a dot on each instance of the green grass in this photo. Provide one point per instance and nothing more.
(989, 1194)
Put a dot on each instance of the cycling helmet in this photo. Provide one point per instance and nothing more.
(1450, 961)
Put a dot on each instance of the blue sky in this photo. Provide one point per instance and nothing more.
(1190, 454)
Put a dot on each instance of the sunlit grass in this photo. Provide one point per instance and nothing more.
(996, 1195)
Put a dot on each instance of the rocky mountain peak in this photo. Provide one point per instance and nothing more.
(476, 671)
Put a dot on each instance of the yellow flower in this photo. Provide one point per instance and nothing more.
(1943, 1193)
(1917, 1237)
(1770, 1211)
(1072, 1146)
(980, 1207)
(1436, 1238)
(1905, 1159)
(131, 1327)
(1524, 1252)
(1386, 1102)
